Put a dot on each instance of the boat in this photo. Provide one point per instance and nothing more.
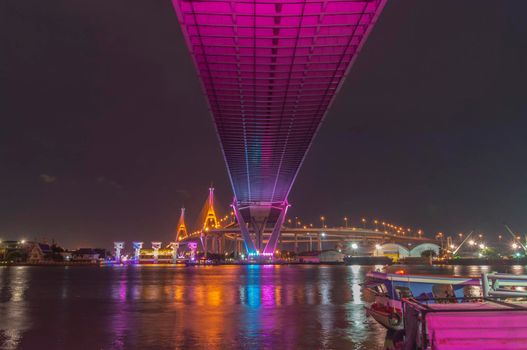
(484, 324)
(384, 293)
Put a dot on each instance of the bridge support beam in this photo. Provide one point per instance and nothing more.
(270, 248)
(249, 244)
(260, 216)
(296, 243)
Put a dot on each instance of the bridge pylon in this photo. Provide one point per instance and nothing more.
(260, 216)
(211, 220)
(181, 232)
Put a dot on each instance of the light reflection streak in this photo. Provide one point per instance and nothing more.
(119, 320)
(14, 320)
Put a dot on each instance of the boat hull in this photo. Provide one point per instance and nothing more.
(384, 319)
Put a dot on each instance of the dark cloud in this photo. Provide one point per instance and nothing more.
(101, 180)
(47, 179)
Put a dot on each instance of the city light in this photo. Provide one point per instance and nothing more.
(482, 246)
(354, 246)
(514, 246)
(471, 242)
(377, 246)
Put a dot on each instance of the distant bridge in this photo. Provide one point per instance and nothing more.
(313, 238)
(223, 235)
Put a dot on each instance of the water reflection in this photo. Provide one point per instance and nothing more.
(14, 320)
(263, 307)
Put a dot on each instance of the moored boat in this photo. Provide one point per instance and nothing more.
(384, 292)
(486, 324)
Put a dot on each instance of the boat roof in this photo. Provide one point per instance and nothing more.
(488, 324)
(402, 276)
(423, 278)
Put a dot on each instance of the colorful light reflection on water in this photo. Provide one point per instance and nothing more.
(260, 307)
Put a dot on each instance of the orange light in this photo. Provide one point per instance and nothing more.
(400, 272)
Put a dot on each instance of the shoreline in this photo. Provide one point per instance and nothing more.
(363, 262)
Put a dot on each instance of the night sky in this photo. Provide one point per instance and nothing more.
(105, 133)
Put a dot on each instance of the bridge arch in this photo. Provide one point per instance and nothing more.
(394, 251)
(422, 248)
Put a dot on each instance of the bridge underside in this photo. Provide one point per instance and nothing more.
(270, 69)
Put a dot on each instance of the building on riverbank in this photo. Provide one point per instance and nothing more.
(325, 256)
(39, 253)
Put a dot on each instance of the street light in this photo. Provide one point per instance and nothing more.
(323, 220)
(346, 221)
(481, 246)
(354, 246)
(514, 246)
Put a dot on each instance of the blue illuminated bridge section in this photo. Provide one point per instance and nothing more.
(270, 70)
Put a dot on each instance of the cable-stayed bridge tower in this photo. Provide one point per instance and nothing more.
(181, 227)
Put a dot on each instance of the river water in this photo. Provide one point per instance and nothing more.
(212, 307)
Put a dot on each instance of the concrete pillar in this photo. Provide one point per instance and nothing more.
(213, 244)
(175, 247)
(296, 243)
(137, 250)
(118, 246)
(319, 238)
(193, 246)
(156, 246)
